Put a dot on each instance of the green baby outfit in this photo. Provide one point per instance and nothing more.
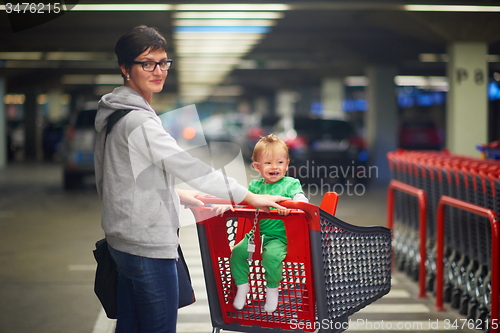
(274, 245)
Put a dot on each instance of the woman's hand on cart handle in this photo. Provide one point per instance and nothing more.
(264, 201)
(190, 199)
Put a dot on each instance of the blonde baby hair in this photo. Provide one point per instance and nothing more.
(269, 143)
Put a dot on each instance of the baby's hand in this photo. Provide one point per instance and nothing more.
(220, 209)
(284, 212)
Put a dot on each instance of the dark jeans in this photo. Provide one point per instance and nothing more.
(148, 294)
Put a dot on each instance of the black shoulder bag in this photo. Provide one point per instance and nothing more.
(106, 276)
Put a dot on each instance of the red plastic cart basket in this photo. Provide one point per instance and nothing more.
(332, 268)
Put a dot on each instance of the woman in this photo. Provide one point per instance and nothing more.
(136, 167)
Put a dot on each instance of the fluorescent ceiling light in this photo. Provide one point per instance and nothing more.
(67, 56)
(451, 8)
(439, 82)
(77, 79)
(109, 79)
(232, 7)
(203, 75)
(112, 79)
(21, 55)
(79, 56)
(217, 36)
(435, 57)
(248, 64)
(421, 81)
(194, 90)
(356, 81)
(219, 29)
(215, 42)
(228, 15)
(201, 60)
(223, 23)
(186, 51)
(122, 7)
(432, 57)
(211, 81)
(209, 45)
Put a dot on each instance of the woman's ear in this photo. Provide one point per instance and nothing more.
(124, 71)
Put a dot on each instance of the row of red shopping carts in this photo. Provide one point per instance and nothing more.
(332, 268)
(443, 209)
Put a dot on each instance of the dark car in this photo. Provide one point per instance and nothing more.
(420, 135)
(325, 150)
(78, 147)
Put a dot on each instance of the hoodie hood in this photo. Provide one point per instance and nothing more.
(121, 98)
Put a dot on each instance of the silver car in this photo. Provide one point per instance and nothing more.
(78, 147)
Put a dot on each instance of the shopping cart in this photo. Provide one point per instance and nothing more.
(490, 150)
(332, 268)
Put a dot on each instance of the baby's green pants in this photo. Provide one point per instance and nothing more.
(273, 253)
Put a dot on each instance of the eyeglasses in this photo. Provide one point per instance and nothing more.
(150, 66)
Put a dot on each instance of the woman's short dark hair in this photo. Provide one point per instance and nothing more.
(135, 42)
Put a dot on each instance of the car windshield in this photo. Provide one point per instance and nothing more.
(85, 119)
(317, 128)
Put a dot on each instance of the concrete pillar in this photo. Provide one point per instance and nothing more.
(31, 125)
(261, 106)
(332, 95)
(56, 111)
(381, 118)
(285, 107)
(467, 101)
(3, 126)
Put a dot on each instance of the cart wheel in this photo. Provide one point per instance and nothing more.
(447, 293)
(415, 273)
(455, 298)
(464, 304)
(481, 314)
(430, 283)
(472, 311)
(400, 264)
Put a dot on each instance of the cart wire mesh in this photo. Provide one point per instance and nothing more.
(337, 270)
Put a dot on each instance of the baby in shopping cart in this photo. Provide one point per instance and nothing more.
(270, 158)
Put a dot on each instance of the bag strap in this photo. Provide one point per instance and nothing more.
(113, 119)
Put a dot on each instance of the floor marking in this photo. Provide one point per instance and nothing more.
(103, 324)
(194, 327)
(395, 308)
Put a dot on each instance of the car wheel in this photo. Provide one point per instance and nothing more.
(71, 180)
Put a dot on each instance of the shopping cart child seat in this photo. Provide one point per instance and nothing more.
(332, 269)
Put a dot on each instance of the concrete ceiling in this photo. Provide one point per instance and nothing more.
(311, 41)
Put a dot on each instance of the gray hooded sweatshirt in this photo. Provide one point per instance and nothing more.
(135, 167)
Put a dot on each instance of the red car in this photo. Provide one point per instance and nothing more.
(423, 135)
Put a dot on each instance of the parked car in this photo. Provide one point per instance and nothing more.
(78, 146)
(327, 150)
(420, 135)
(223, 127)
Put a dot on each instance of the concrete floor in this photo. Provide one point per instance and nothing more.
(48, 234)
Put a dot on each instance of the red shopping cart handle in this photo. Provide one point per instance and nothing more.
(311, 210)
(328, 203)
(211, 200)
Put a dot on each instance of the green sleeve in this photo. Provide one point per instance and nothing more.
(295, 187)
